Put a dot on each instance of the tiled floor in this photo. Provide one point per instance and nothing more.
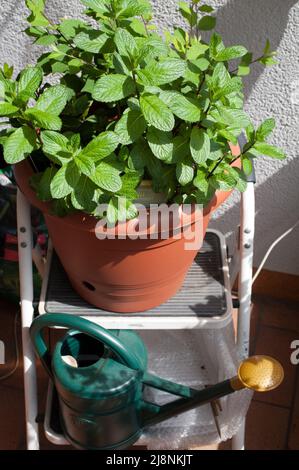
(273, 418)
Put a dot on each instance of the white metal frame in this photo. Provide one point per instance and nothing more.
(246, 245)
(26, 292)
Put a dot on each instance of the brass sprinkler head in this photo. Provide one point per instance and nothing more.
(259, 373)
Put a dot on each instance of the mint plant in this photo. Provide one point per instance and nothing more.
(129, 104)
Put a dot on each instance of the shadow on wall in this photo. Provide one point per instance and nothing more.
(276, 205)
(251, 23)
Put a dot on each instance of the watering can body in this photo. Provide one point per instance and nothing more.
(100, 376)
(99, 397)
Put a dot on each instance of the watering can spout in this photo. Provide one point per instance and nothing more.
(258, 373)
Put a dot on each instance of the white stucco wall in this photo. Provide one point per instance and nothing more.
(269, 92)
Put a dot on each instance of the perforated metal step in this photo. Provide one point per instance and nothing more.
(204, 296)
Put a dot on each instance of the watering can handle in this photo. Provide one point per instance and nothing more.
(83, 326)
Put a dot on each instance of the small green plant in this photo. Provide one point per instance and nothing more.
(129, 105)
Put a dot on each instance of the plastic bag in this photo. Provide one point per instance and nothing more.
(196, 358)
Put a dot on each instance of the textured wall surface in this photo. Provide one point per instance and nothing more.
(269, 92)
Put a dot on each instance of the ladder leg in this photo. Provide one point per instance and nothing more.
(238, 440)
(245, 274)
(245, 288)
(26, 293)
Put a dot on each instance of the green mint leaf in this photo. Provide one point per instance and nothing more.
(234, 85)
(216, 151)
(53, 100)
(130, 181)
(62, 207)
(120, 210)
(136, 160)
(69, 27)
(243, 70)
(112, 211)
(229, 53)
(111, 88)
(199, 145)
(134, 8)
(239, 177)
(75, 141)
(246, 59)
(130, 127)
(154, 169)
(244, 66)
(34, 31)
(206, 8)
(184, 173)
(229, 136)
(196, 50)
(206, 23)
(222, 181)
(43, 190)
(265, 129)
(121, 64)
(247, 165)
(46, 40)
(91, 41)
(152, 47)
(53, 142)
(233, 117)
(161, 143)
(101, 146)
(4, 134)
(19, 145)
(107, 177)
(89, 86)
(141, 156)
(250, 133)
(216, 45)
(220, 77)
(74, 65)
(8, 71)
(161, 73)
(188, 109)
(187, 13)
(251, 152)
(29, 81)
(99, 6)
(85, 164)
(267, 48)
(268, 61)
(44, 119)
(36, 17)
(7, 109)
(200, 181)
(64, 181)
(125, 43)
(269, 150)
(83, 194)
(156, 112)
(181, 148)
(201, 63)
(133, 104)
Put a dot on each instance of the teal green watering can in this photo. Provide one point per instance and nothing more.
(100, 375)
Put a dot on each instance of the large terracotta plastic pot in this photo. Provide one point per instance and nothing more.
(120, 275)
